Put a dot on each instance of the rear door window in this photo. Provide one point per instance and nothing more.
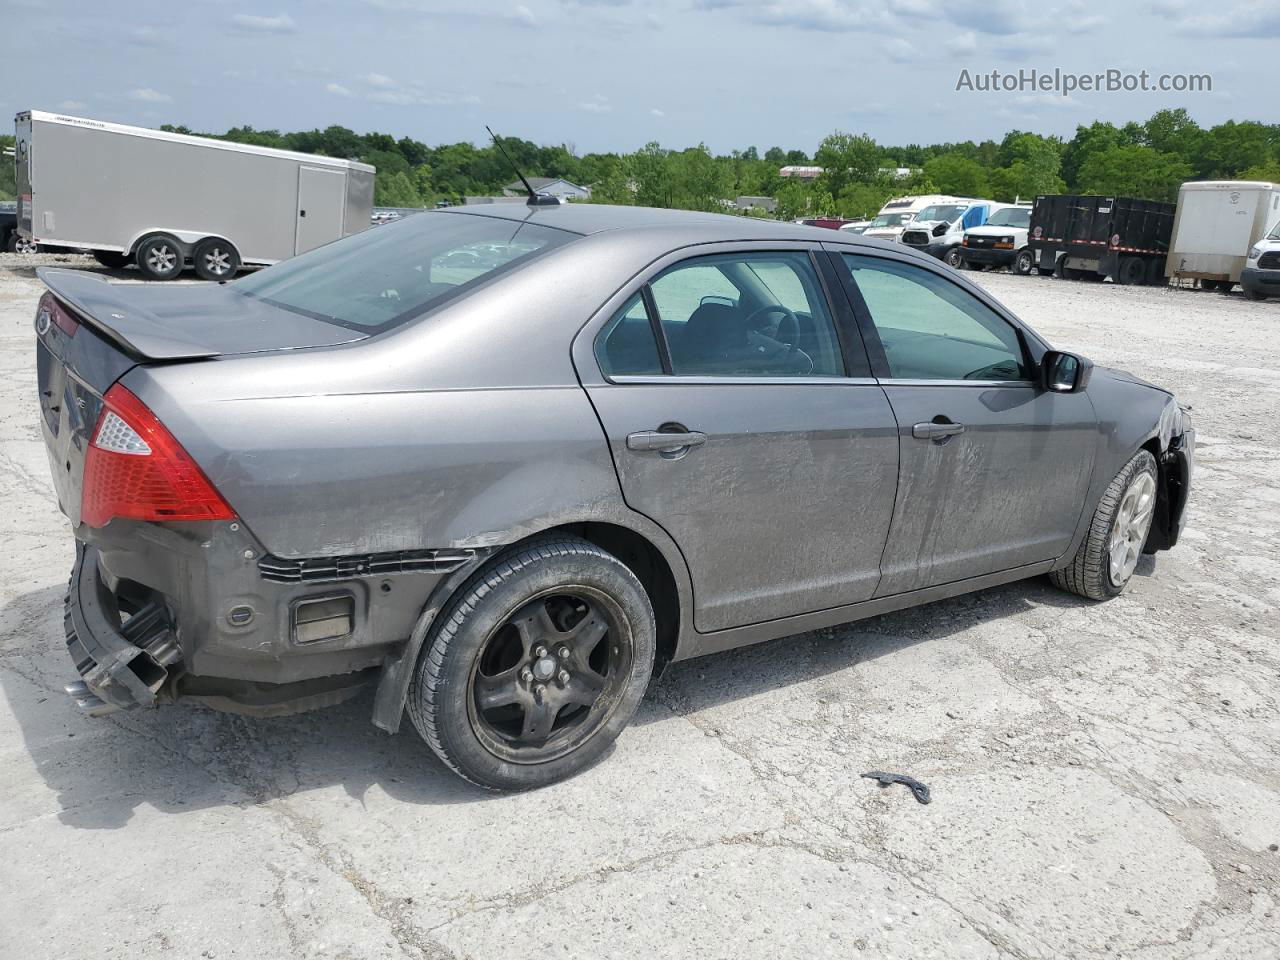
(627, 345)
(747, 315)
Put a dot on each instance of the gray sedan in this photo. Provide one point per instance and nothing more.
(505, 465)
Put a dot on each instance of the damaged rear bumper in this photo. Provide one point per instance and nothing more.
(124, 654)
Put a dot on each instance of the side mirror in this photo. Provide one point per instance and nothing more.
(1064, 372)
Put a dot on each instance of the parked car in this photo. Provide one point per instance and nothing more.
(10, 240)
(856, 227)
(894, 216)
(1000, 242)
(1260, 277)
(509, 497)
(939, 228)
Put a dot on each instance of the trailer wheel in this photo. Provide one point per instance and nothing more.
(109, 258)
(1023, 263)
(215, 259)
(1131, 271)
(160, 258)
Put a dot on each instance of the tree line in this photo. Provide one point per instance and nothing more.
(1146, 160)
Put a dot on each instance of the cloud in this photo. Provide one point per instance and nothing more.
(147, 95)
(524, 16)
(255, 23)
(146, 37)
(963, 44)
(72, 105)
(597, 104)
(656, 112)
(337, 89)
(1021, 46)
(899, 50)
(1245, 19)
(380, 80)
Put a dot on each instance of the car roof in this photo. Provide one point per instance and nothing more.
(592, 218)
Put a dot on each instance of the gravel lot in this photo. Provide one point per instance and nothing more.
(1106, 778)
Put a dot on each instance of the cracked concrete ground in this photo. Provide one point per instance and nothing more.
(1106, 778)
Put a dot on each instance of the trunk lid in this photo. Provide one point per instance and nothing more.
(123, 325)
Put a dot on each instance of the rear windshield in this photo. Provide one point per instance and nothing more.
(390, 274)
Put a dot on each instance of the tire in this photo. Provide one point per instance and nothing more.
(109, 258)
(215, 259)
(1024, 263)
(20, 244)
(159, 258)
(1254, 295)
(488, 637)
(1094, 572)
(1071, 273)
(1210, 285)
(11, 243)
(1155, 274)
(1131, 271)
(952, 258)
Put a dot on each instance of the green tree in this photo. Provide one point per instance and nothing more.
(846, 158)
(395, 190)
(8, 186)
(958, 175)
(1134, 171)
(1231, 147)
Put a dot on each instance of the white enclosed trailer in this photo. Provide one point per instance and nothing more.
(1216, 223)
(161, 200)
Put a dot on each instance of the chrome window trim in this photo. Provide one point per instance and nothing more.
(707, 381)
(913, 382)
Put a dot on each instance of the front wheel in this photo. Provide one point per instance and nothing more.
(160, 258)
(20, 244)
(952, 258)
(1024, 263)
(537, 665)
(1109, 553)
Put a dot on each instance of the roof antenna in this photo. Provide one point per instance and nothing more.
(535, 199)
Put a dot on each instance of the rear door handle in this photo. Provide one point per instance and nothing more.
(936, 431)
(665, 442)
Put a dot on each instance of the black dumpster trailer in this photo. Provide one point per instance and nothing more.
(1124, 238)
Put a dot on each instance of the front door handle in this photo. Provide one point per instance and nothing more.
(936, 431)
(665, 442)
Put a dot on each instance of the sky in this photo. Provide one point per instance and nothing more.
(615, 74)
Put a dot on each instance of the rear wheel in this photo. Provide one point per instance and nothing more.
(537, 665)
(160, 258)
(1109, 553)
(1254, 295)
(215, 259)
(1131, 271)
(112, 259)
(1024, 263)
(1155, 273)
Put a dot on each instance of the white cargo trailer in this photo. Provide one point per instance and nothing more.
(1216, 223)
(162, 200)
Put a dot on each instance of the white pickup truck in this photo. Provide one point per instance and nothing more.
(1000, 242)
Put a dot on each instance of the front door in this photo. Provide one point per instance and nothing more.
(735, 424)
(321, 206)
(993, 470)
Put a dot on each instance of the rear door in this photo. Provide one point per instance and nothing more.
(993, 469)
(322, 198)
(22, 172)
(737, 424)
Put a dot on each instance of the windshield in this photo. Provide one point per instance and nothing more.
(383, 277)
(941, 211)
(1011, 217)
(891, 219)
(1275, 233)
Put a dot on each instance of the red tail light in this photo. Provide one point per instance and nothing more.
(50, 312)
(136, 469)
